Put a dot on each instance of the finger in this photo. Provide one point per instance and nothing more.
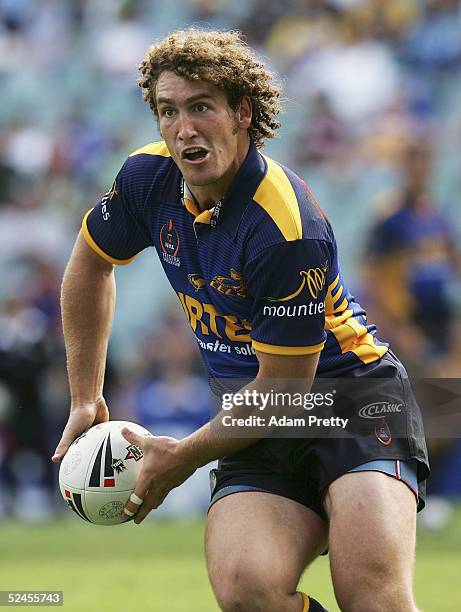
(153, 500)
(132, 437)
(70, 433)
(141, 514)
(160, 500)
(147, 505)
(135, 500)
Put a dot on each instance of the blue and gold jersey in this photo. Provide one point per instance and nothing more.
(257, 272)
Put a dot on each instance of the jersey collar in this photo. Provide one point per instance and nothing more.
(242, 190)
(190, 203)
(228, 212)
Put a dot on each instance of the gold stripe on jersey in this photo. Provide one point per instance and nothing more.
(332, 286)
(204, 217)
(306, 602)
(276, 195)
(344, 304)
(274, 349)
(191, 207)
(335, 297)
(91, 243)
(330, 300)
(351, 335)
(367, 351)
(153, 148)
(334, 321)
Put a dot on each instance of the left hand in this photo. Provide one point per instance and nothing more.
(162, 470)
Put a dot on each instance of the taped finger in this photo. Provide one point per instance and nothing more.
(136, 499)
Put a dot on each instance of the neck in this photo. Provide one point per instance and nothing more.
(205, 197)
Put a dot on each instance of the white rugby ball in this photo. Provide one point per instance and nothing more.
(99, 472)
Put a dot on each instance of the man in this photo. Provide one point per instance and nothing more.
(253, 261)
(413, 251)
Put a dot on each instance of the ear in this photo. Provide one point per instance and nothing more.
(244, 113)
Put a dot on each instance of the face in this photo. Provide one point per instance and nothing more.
(205, 137)
(417, 170)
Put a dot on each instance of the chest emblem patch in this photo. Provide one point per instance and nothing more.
(169, 242)
(233, 286)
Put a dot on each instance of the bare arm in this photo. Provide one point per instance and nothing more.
(169, 462)
(212, 441)
(87, 303)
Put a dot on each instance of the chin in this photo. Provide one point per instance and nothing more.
(199, 181)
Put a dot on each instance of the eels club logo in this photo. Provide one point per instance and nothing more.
(169, 243)
(383, 433)
(234, 286)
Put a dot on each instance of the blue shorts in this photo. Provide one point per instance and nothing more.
(406, 471)
(302, 468)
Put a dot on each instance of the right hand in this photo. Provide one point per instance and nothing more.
(81, 418)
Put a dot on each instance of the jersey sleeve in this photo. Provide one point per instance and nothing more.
(115, 228)
(287, 283)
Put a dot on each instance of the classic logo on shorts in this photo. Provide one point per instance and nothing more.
(197, 281)
(314, 279)
(383, 433)
(378, 409)
(169, 242)
(233, 286)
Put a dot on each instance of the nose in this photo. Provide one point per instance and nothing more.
(187, 129)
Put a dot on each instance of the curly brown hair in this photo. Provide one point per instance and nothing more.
(222, 59)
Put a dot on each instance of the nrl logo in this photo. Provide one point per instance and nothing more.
(169, 242)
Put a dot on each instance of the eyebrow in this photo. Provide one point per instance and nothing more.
(199, 96)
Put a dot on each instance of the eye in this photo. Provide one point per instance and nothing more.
(167, 112)
(201, 107)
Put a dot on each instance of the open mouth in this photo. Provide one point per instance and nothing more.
(195, 154)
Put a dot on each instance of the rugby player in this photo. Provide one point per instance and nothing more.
(254, 263)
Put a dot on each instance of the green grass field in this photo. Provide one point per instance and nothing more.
(159, 566)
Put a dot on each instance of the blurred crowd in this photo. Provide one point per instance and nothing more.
(372, 123)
